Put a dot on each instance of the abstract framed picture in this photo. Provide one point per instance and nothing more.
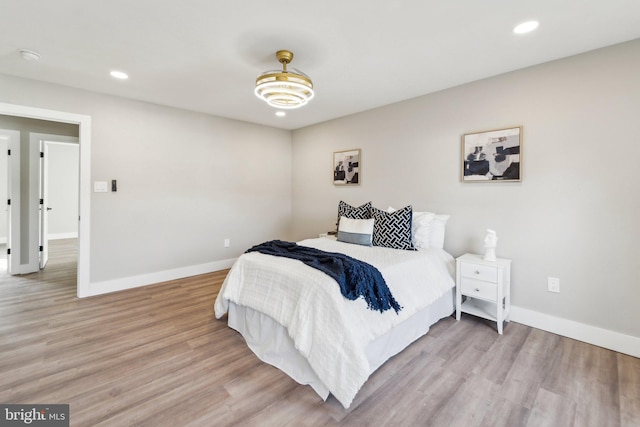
(346, 167)
(492, 156)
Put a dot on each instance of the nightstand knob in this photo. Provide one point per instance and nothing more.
(476, 272)
(477, 290)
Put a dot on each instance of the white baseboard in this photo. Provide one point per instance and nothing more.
(115, 285)
(58, 236)
(611, 340)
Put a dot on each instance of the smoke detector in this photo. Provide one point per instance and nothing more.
(29, 55)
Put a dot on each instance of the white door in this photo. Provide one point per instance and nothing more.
(5, 200)
(12, 205)
(44, 208)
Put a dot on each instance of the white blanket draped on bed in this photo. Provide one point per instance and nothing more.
(330, 331)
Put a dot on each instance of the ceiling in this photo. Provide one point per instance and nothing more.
(204, 55)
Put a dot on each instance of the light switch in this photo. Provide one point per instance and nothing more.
(100, 186)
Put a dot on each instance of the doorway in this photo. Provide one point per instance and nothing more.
(84, 139)
(57, 178)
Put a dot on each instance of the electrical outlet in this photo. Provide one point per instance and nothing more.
(227, 242)
(553, 284)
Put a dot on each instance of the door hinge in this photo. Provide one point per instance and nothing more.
(8, 152)
(41, 248)
(8, 201)
(42, 201)
(42, 154)
(8, 251)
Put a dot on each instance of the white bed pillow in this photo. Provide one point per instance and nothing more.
(436, 231)
(428, 229)
(357, 231)
(421, 229)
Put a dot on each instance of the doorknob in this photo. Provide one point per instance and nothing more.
(49, 208)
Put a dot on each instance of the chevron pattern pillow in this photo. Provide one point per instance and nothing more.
(393, 229)
(346, 210)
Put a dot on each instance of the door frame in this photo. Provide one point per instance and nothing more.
(35, 221)
(13, 192)
(84, 205)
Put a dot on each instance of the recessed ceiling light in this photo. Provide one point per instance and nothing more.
(119, 75)
(280, 113)
(29, 55)
(526, 27)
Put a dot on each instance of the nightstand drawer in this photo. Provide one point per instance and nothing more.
(479, 272)
(479, 289)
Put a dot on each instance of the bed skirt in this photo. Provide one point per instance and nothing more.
(271, 343)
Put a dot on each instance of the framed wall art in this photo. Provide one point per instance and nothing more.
(346, 167)
(492, 156)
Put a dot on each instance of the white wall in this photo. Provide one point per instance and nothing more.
(575, 214)
(63, 175)
(186, 181)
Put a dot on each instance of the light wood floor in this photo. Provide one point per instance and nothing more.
(157, 356)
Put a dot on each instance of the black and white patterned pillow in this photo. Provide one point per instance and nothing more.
(393, 229)
(361, 212)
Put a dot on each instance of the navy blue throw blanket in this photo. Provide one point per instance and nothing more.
(356, 278)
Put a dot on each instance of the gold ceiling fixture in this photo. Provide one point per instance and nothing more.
(284, 88)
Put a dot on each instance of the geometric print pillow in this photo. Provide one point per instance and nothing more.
(393, 229)
(361, 212)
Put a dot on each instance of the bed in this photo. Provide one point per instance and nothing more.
(294, 317)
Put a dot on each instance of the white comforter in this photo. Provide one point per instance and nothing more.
(330, 331)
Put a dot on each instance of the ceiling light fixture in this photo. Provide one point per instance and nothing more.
(526, 27)
(29, 55)
(119, 75)
(285, 89)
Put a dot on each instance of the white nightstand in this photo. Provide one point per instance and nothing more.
(330, 234)
(487, 286)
